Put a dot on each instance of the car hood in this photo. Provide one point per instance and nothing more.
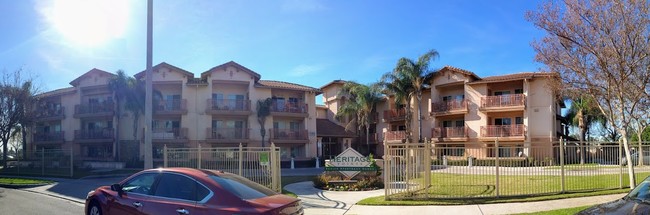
(620, 206)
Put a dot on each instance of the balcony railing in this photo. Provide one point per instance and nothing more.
(168, 133)
(394, 135)
(49, 136)
(288, 134)
(50, 112)
(289, 107)
(395, 114)
(229, 105)
(96, 134)
(503, 101)
(452, 105)
(503, 130)
(95, 108)
(171, 105)
(449, 132)
(228, 133)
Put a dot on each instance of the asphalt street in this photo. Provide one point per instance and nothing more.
(13, 201)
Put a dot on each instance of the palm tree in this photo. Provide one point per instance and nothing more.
(582, 113)
(134, 102)
(401, 88)
(119, 85)
(419, 75)
(362, 101)
(263, 111)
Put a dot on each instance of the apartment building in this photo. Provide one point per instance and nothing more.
(463, 111)
(216, 109)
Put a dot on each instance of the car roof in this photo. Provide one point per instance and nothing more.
(188, 171)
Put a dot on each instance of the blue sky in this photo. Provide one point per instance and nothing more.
(309, 42)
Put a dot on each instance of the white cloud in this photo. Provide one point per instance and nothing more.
(304, 70)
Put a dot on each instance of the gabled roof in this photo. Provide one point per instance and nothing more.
(327, 128)
(459, 70)
(57, 92)
(233, 64)
(76, 81)
(140, 75)
(513, 77)
(333, 82)
(285, 85)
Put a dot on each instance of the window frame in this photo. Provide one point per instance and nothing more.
(203, 201)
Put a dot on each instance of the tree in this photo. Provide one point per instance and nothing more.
(401, 88)
(134, 102)
(263, 111)
(582, 114)
(119, 85)
(362, 102)
(419, 75)
(17, 96)
(600, 48)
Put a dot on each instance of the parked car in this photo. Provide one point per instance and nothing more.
(635, 158)
(635, 202)
(188, 191)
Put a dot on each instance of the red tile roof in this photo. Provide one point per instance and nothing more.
(512, 77)
(285, 85)
(57, 92)
(327, 128)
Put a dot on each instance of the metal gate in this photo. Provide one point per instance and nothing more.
(258, 164)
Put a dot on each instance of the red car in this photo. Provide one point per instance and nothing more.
(188, 191)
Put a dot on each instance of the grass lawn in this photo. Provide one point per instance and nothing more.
(22, 181)
(566, 211)
(293, 179)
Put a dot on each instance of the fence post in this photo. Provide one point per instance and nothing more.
(427, 166)
(496, 165)
(71, 162)
(199, 157)
(240, 163)
(620, 164)
(165, 159)
(387, 167)
(275, 169)
(43, 161)
(562, 182)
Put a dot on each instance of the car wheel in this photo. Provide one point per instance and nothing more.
(95, 209)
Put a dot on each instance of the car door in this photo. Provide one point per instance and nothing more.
(176, 193)
(134, 198)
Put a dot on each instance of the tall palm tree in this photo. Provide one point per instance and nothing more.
(420, 75)
(362, 102)
(400, 87)
(583, 114)
(263, 111)
(119, 86)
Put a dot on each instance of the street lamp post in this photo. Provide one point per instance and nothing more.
(148, 158)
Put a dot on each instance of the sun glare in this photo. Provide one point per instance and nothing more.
(89, 23)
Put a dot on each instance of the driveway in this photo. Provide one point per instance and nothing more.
(318, 201)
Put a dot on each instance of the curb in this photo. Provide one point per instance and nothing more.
(104, 176)
(20, 186)
(56, 196)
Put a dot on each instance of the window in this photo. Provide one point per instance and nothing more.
(500, 93)
(140, 184)
(180, 187)
(502, 121)
(459, 97)
(173, 102)
(460, 123)
(242, 187)
(446, 124)
(519, 120)
(446, 98)
(294, 126)
(505, 152)
(519, 91)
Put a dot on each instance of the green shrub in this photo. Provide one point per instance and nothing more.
(369, 183)
(322, 181)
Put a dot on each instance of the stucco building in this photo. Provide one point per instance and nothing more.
(217, 109)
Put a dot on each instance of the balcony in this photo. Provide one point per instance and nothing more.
(227, 135)
(395, 135)
(49, 137)
(94, 136)
(170, 107)
(452, 107)
(503, 132)
(449, 134)
(169, 135)
(394, 115)
(290, 109)
(289, 135)
(229, 107)
(49, 114)
(94, 110)
(502, 103)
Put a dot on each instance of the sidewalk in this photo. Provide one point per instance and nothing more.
(74, 189)
(337, 202)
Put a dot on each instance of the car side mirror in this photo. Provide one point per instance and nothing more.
(118, 188)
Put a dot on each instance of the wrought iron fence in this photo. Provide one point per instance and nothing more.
(480, 169)
(43, 162)
(258, 164)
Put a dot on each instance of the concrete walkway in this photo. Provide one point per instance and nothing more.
(318, 201)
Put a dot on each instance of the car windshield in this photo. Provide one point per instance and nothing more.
(642, 191)
(242, 187)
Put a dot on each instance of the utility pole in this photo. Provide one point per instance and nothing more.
(148, 158)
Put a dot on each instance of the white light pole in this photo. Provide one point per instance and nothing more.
(148, 158)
